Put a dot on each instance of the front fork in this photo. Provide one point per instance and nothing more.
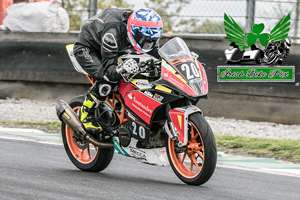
(176, 125)
(169, 126)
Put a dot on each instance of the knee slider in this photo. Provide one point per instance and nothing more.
(104, 89)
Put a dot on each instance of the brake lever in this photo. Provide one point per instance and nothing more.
(130, 76)
(158, 63)
(143, 68)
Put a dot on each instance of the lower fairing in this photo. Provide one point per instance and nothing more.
(153, 156)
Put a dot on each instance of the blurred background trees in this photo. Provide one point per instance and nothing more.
(194, 16)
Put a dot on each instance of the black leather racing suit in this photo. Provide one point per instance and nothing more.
(102, 39)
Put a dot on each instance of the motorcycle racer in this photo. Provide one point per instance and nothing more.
(102, 39)
(276, 51)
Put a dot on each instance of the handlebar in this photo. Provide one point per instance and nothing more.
(149, 68)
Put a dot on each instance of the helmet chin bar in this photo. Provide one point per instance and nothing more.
(136, 46)
(144, 50)
(132, 42)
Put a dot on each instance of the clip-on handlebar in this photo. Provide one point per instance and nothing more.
(148, 68)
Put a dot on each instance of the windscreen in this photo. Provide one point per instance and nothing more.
(185, 73)
(175, 48)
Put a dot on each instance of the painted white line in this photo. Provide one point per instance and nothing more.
(283, 172)
(30, 139)
(23, 130)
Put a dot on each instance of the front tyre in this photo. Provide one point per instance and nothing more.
(83, 155)
(195, 163)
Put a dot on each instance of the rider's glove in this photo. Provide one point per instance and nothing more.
(130, 66)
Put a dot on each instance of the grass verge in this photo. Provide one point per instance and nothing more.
(49, 127)
(288, 150)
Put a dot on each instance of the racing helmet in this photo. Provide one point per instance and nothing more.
(288, 42)
(144, 29)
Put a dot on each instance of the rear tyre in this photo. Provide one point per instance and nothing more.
(195, 163)
(83, 155)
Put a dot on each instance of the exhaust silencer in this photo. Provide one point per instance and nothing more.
(68, 116)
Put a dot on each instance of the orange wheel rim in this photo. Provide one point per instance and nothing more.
(190, 162)
(84, 156)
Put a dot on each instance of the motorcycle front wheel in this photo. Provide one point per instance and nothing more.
(195, 163)
(83, 155)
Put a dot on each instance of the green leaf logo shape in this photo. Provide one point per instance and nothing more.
(257, 28)
(244, 41)
(264, 39)
(251, 38)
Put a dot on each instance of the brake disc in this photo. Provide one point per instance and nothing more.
(81, 144)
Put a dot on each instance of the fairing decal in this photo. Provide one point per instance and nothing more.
(176, 81)
(141, 104)
(125, 87)
(156, 156)
(174, 71)
(136, 119)
(142, 83)
(162, 88)
(138, 130)
(179, 117)
(178, 121)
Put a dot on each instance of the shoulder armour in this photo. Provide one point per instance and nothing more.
(109, 39)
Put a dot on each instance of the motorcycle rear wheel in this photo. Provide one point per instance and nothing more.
(196, 163)
(84, 156)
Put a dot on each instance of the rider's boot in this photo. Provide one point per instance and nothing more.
(87, 116)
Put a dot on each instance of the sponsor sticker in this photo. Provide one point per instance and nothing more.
(143, 84)
(138, 153)
(157, 97)
(149, 94)
(162, 150)
(87, 55)
(256, 74)
(67, 116)
(167, 66)
(146, 108)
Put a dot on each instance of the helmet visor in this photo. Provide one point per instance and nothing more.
(145, 42)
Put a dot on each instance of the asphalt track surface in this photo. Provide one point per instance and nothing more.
(31, 170)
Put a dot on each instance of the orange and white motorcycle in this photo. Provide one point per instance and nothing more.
(151, 116)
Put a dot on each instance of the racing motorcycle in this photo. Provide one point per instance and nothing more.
(150, 116)
(276, 51)
(234, 55)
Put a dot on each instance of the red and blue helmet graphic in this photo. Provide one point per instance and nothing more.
(144, 28)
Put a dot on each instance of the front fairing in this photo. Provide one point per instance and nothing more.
(181, 71)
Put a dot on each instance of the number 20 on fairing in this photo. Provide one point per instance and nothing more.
(138, 130)
(191, 70)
